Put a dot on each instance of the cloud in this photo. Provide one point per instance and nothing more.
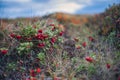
(41, 8)
(26, 8)
(68, 6)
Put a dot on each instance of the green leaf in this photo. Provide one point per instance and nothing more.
(41, 56)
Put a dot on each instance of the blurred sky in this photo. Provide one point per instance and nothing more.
(30, 8)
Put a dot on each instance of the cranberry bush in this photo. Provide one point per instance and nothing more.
(29, 49)
(36, 51)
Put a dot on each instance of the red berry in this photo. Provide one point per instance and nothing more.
(18, 37)
(61, 33)
(32, 73)
(4, 51)
(39, 36)
(84, 44)
(41, 45)
(53, 40)
(108, 66)
(91, 38)
(53, 28)
(89, 59)
(38, 70)
(40, 31)
(12, 35)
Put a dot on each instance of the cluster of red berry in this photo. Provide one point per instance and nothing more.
(4, 51)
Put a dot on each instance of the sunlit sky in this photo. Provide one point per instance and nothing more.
(30, 8)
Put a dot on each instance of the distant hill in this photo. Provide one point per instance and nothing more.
(70, 18)
(61, 17)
